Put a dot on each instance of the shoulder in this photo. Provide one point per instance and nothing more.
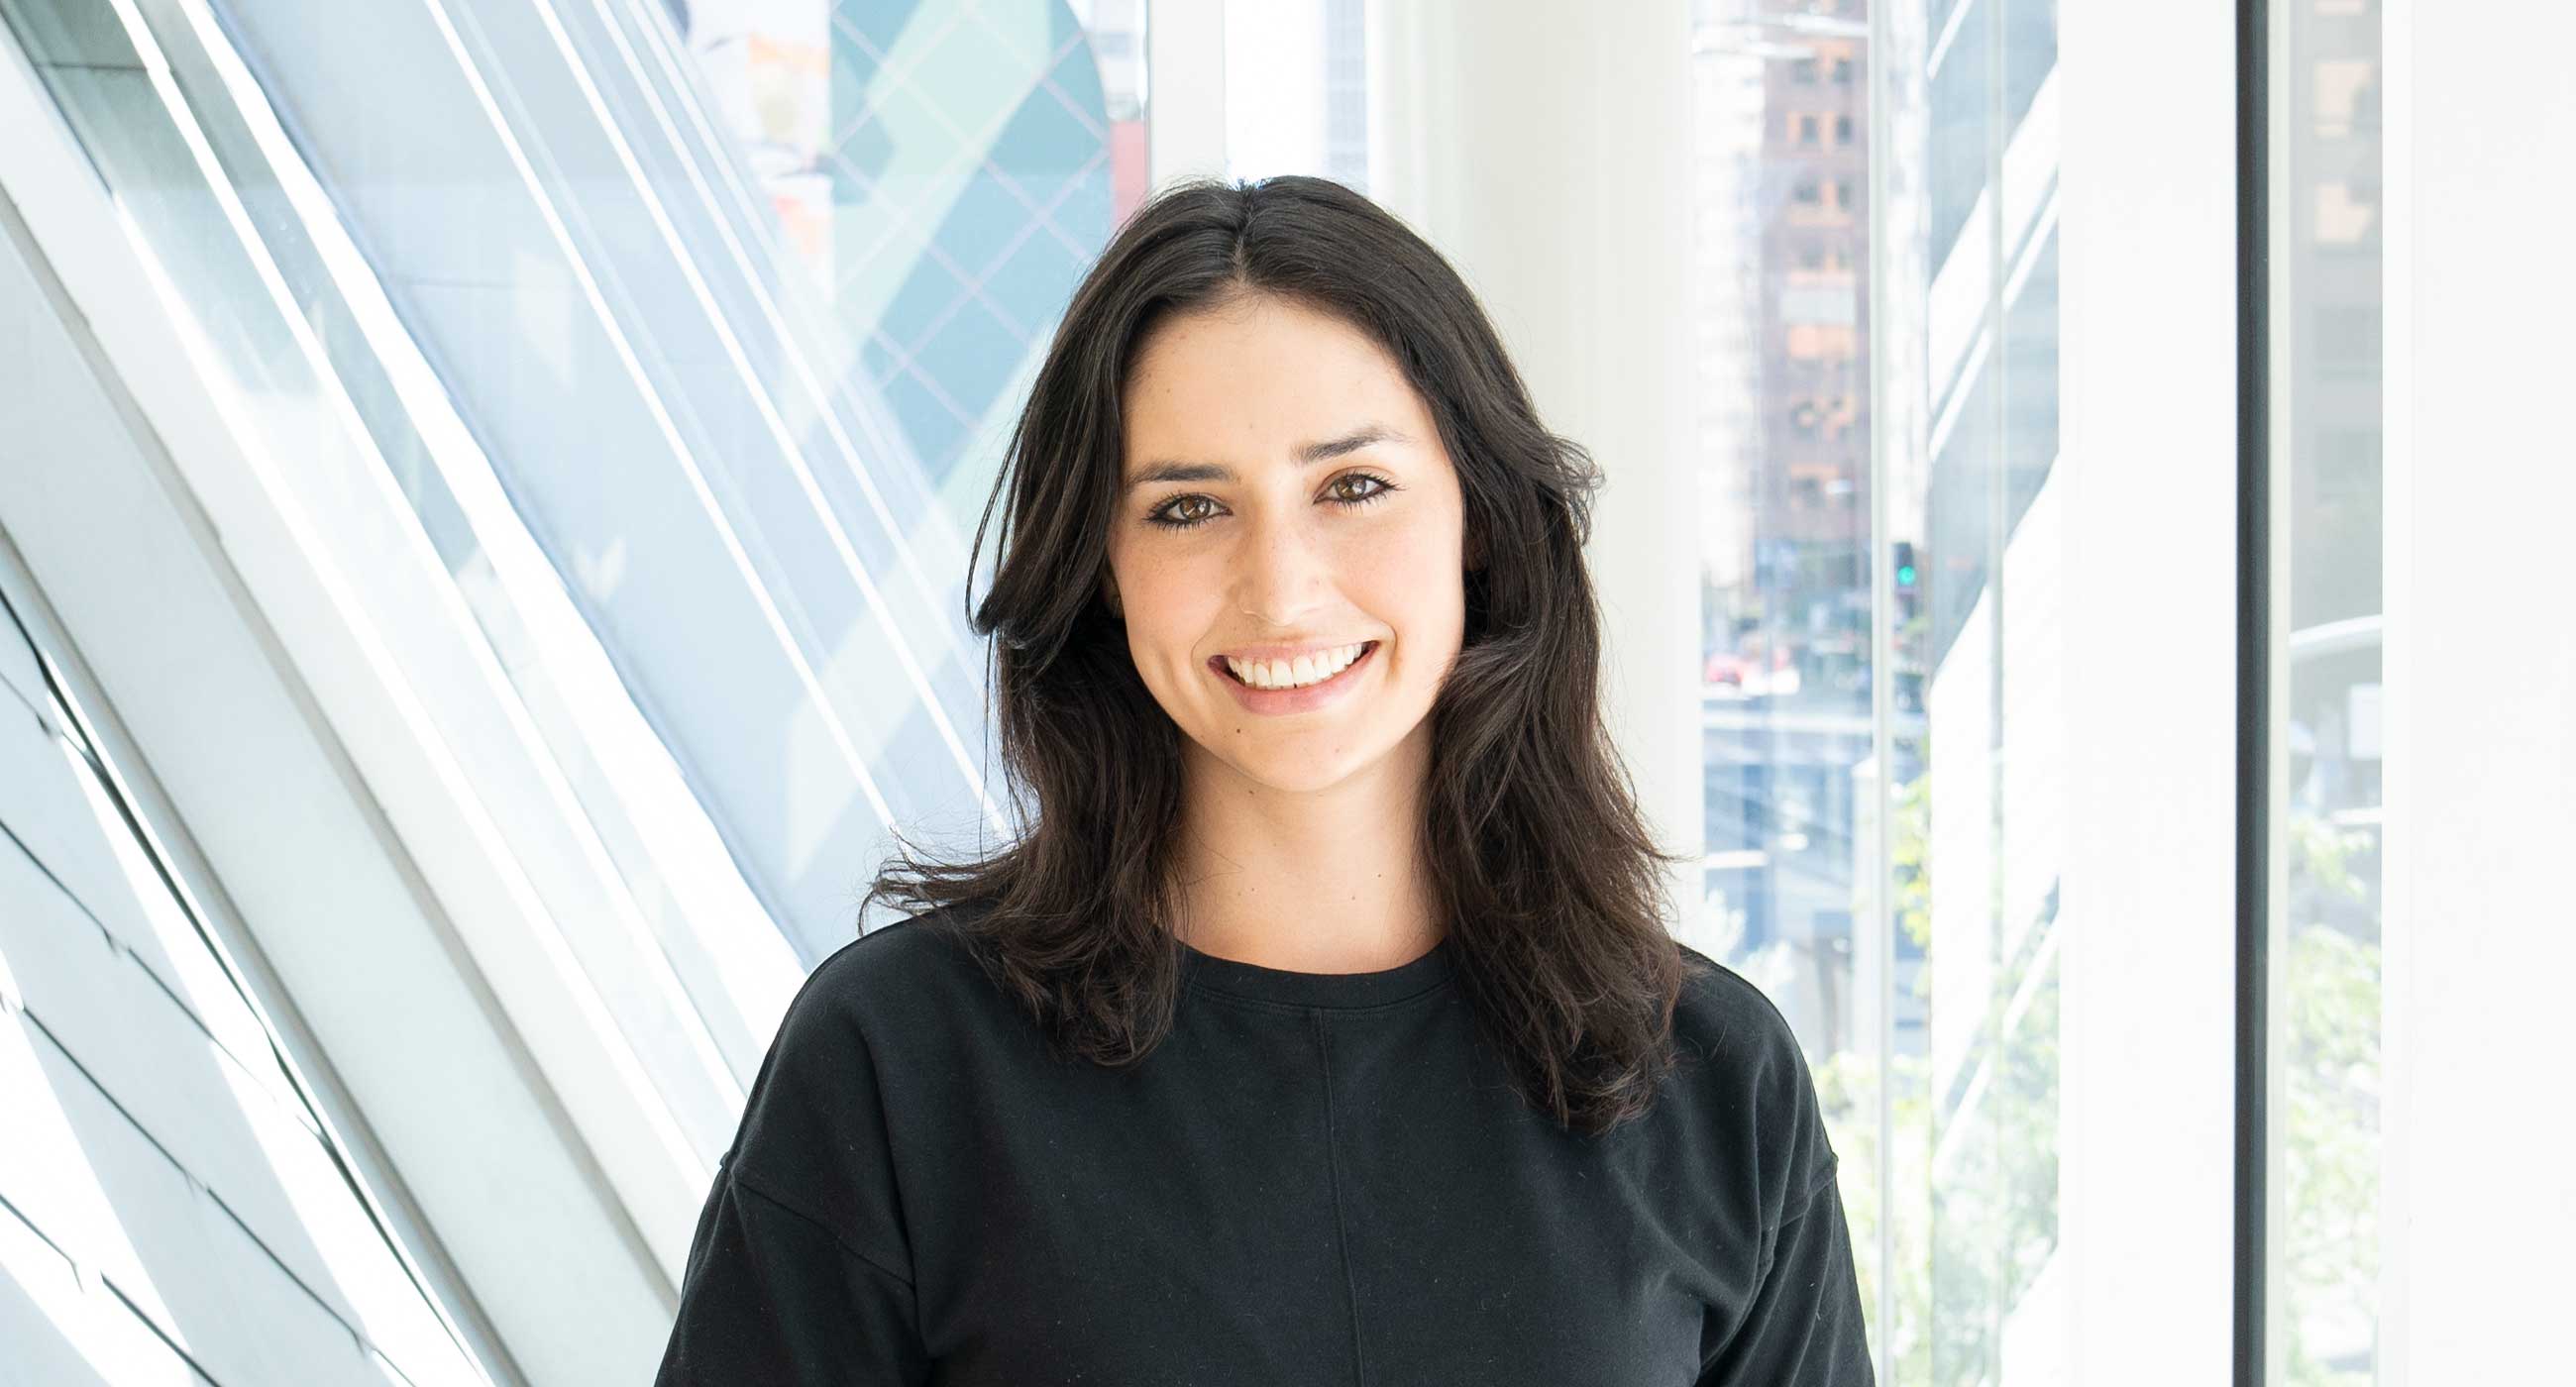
(850, 1031)
(898, 971)
(1724, 1018)
(861, 1014)
(1748, 1075)
(823, 1120)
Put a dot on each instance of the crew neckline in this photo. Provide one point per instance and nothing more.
(1229, 977)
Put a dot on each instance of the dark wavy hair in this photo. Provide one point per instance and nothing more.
(1541, 863)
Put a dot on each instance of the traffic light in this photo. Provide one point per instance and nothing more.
(1909, 581)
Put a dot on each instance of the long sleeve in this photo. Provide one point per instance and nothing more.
(801, 1269)
(1804, 1327)
(772, 1296)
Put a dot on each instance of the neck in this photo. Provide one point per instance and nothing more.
(1328, 880)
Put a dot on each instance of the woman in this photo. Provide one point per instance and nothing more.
(1321, 1027)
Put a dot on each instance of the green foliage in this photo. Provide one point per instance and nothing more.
(1969, 1244)
(2328, 990)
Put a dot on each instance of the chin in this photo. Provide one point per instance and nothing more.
(1290, 771)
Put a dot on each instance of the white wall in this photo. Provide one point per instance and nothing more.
(2148, 372)
(1185, 89)
(1548, 156)
(2478, 1203)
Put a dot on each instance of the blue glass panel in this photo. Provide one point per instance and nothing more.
(926, 294)
(1077, 75)
(1043, 137)
(981, 223)
(1036, 282)
(880, 22)
(970, 356)
(935, 429)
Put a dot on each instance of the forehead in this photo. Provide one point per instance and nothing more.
(1258, 378)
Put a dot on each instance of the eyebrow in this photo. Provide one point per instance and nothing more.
(1308, 454)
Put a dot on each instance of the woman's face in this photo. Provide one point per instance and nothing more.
(1252, 544)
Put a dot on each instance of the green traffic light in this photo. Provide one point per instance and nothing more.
(1905, 576)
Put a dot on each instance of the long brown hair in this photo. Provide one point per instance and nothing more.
(1542, 864)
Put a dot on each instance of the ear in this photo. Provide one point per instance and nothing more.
(1109, 594)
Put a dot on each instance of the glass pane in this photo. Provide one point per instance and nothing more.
(167, 1177)
(2325, 1003)
(699, 465)
(735, 299)
(941, 172)
(1880, 424)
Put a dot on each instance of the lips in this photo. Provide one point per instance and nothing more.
(1297, 700)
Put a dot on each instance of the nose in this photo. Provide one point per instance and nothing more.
(1277, 571)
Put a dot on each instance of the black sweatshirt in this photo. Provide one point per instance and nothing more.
(1315, 1179)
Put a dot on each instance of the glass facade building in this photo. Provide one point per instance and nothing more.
(635, 373)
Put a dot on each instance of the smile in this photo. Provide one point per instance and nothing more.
(1300, 698)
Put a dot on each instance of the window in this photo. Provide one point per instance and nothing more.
(2333, 919)
(2347, 339)
(1791, 589)
(1806, 129)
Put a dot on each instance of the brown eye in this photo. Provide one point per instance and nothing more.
(1379, 486)
(1165, 514)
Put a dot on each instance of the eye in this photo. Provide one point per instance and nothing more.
(1167, 515)
(1164, 514)
(1381, 486)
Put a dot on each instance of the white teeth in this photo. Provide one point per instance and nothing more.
(1304, 670)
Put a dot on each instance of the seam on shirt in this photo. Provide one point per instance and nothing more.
(1341, 1226)
(742, 1178)
(1302, 1008)
(1808, 1200)
(1762, 1268)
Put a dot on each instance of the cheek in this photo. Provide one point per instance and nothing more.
(1171, 607)
(1414, 585)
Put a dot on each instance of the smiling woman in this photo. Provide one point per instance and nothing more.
(1322, 1023)
(1275, 421)
(1287, 563)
